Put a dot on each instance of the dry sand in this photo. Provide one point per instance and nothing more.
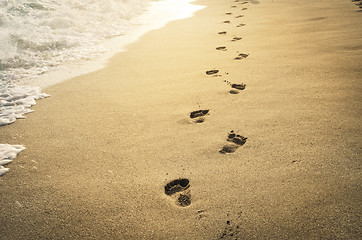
(102, 148)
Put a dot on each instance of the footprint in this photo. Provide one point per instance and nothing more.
(233, 91)
(238, 86)
(236, 39)
(221, 48)
(241, 56)
(228, 13)
(227, 21)
(235, 140)
(184, 200)
(212, 72)
(239, 16)
(178, 190)
(230, 231)
(241, 25)
(222, 33)
(228, 149)
(233, 6)
(198, 116)
(358, 3)
(243, 9)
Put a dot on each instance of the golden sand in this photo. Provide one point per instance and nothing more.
(101, 150)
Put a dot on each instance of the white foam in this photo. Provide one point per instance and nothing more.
(158, 14)
(7, 155)
(15, 101)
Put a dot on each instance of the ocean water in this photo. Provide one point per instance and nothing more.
(43, 42)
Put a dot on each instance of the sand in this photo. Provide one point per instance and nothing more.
(101, 150)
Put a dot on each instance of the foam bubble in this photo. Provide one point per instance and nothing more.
(15, 101)
(7, 155)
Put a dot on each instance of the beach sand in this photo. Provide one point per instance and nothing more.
(101, 150)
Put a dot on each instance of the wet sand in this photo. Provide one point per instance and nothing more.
(102, 149)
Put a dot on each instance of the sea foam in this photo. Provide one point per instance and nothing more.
(7, 155)
(15, 101)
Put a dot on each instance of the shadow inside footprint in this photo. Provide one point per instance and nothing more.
(211, 72)
(221, 48)
(177, 185)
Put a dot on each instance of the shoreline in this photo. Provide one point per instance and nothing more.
(115, 45)
(102, 149)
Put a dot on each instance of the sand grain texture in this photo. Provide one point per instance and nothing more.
(101, 150)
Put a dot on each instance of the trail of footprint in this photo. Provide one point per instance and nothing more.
(235, 140)
(178, 190)
(199, 115)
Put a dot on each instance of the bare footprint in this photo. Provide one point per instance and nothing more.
(241, 56)
(221, 48)
(199, 115)
(178, 190)
(212, 72)
(230, 148)
(231, 231)
(238, 86)
(235, 140)
(236, 39)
